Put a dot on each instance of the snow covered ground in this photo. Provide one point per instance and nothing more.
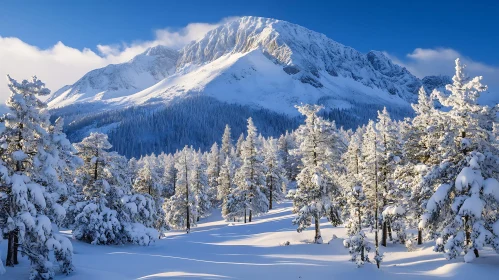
(219, 250)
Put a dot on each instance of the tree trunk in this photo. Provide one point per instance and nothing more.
(250, 215)
(389, 227)
(16, 246)
(466, 229)
(317, 230)
(384, 234)
(96, 165)
(271, 187)
(468, 236)
(187, 195)
(420, 236)
(10, 250)
(362, 257)
(376, 200)
(188, 223)
(245, 214)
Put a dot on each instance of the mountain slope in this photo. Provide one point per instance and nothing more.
(117, 80)
(254, 62)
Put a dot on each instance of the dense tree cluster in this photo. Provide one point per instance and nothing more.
(436, 172)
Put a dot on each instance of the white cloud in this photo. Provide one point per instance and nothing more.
(440, 61)
(60, 64)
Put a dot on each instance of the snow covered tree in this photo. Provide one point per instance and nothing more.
(419, 172)
(169, 178)
(316, 188)
(357, 207)
(239, 145)
(453, 213)
(226, 148)
(110, 213)
(465, 212)
(26, 144)
(250, 177)
(200, 187)
(213, 170)
(390, 146)
(133, 167)
(370, 181)
(226, 186)
(148, 181)
(290, 161)
(351, 163)
(357, 242)
(275, 174)
(394, 215)
(181, 207)
(54, 168)
(92, 150)
(138, 215)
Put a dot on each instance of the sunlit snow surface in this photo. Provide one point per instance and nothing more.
(220, 250)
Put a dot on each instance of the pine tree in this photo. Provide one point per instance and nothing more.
(275, 174)
(200, 187)
(55, 167)
(370, 180)
(92, 150)
(225, 187)
(316, 188)
(239, 145)
(169, 178)
(213, 170)
(148, 181)
(26, 146)
(357, 242)
(290, 161)
(250, 177)
(351, 164)
(181, 207)
(110, 213)
(133, 166)
(455, 211)
(390, 146)
(226, 148)
(465, 212)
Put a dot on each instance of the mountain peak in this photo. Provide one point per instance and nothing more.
(160, 50)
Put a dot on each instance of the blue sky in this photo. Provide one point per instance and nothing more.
(470, 27)
(62, 40)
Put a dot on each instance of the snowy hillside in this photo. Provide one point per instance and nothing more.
(220, 250)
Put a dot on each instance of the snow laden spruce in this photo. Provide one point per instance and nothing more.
(462, 212)
(316, 189)
(32, 170)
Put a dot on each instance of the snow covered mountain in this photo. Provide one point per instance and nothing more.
(260, 63)
(252, 60)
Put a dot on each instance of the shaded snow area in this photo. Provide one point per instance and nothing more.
(221, 250)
